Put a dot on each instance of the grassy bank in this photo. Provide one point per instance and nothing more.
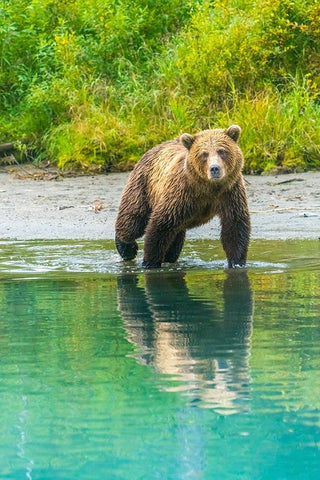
(93, 82)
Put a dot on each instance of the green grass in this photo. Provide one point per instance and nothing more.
(93, 84)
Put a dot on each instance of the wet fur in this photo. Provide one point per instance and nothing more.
(170, 191)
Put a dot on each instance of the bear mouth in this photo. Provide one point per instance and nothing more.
(215, 176)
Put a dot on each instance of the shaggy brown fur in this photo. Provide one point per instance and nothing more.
(179, 185)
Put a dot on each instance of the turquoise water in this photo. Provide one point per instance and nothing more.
(189, 372)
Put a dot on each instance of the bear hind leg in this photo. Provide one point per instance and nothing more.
(175, 248)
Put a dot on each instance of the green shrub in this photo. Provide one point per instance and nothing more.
(95, 82)
(278, 130)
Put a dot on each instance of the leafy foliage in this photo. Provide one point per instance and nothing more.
(98, 82)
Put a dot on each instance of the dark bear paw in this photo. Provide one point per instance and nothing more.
(128, 251)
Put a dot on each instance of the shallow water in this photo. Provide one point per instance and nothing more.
(192, 371)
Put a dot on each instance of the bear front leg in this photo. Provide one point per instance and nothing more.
(159, 236)
(235, 226)
(129, 227)
(133, 215)
(175, 248)
(235, 234)
(127, 251)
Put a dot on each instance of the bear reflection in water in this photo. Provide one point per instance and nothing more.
(202, 345)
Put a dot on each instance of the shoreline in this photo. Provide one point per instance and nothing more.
(85, 207)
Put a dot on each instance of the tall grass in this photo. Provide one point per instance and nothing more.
(95, 83)
(282, 131)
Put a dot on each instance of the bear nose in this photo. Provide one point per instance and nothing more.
(215, 171)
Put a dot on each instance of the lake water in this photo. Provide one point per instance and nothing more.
(189, 372)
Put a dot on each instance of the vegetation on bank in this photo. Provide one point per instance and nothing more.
(97, 82)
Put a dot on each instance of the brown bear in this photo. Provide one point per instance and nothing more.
(181, 184)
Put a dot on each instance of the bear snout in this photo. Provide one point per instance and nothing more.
(215, 171)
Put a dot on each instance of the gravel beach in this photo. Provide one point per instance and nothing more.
(85, 207)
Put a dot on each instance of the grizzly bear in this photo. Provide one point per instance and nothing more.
(181, 184)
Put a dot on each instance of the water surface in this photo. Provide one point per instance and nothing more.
(192, 371)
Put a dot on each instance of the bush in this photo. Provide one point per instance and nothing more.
(92, 82)
(280, 131)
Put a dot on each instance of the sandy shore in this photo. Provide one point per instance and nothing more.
(85, 207)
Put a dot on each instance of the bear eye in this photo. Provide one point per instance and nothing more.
(222, 153)
(204, 156)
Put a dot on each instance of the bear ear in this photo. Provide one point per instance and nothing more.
(187, 140)
(234, 132)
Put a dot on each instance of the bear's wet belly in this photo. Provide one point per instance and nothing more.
(201, 217)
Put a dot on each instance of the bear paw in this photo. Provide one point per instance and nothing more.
(128, 251)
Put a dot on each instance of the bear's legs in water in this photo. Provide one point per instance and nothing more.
(235, 225)
(128, 251)
(175, 248)
(134, 227)
(235, 236)
(160, 236)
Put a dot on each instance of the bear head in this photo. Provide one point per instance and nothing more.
(214, 154)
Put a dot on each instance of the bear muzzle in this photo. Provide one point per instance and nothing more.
(215, 171)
